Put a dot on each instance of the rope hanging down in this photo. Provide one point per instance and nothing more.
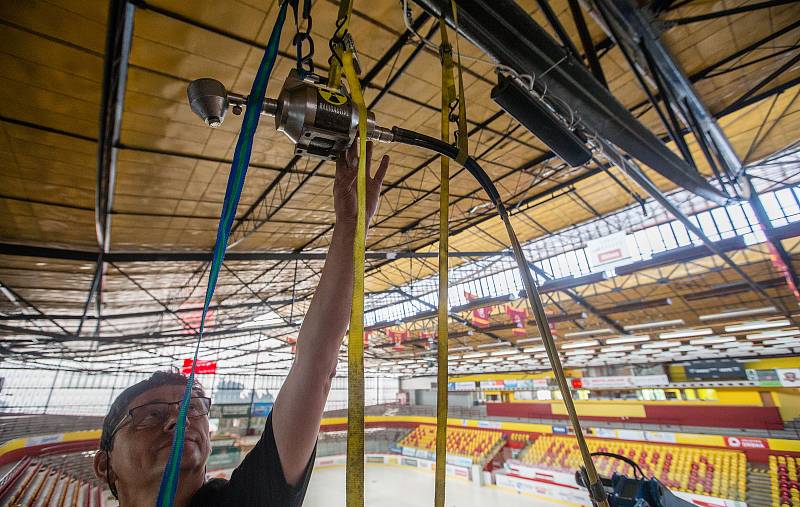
(448, 94)
(449, 99)
(241, 161)
(355, 340)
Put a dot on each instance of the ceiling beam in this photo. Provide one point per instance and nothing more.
(17, 250)
(119, 36)
(635, 32)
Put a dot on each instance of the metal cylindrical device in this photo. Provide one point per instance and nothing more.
(321, 121)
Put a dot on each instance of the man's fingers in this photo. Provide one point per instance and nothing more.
(381, 172)
(352, 155)
(369, 156)
(341, 164)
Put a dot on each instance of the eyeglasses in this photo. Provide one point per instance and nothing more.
(155, 414)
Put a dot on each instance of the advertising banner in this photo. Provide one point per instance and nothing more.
(461, 386)
(623, 381)
(746, 443)
(262, 409)
(719, 369)
(660, 436)
(608, 251)
(459, 460)
(765, 378)
(789, 377)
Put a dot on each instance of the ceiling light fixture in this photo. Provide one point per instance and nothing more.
(502, 343)
(628, 339)
(660, 345)
(711, 340)
(687, 333)
(618, 348)
(758, 324)
(773, 334)
(739, 313)
(505, 353)
(588, 332)
(474, 355)
(534, 349)
(529, 340)
(648, 325)
(578, 345)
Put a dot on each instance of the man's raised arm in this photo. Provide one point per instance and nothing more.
(298, 409)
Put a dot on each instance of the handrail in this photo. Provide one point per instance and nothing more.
(64, 491)
(13, 475)
(25, 484)
(46, 472)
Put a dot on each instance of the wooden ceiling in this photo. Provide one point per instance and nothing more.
(172, 169)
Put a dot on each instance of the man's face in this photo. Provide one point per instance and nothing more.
(139, 455)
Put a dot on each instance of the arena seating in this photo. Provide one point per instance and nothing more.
(469, 443)
(694, 469)
(518, 440)
(783, 471)
(32, 482)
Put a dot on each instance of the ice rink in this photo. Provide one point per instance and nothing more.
(390, 486)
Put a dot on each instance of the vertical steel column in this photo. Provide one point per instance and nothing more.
(119, 36)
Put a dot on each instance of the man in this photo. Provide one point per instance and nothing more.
(138, 429)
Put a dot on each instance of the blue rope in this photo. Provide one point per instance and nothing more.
(241, 161)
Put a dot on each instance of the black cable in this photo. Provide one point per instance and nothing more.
(633, 464)
(534, 299)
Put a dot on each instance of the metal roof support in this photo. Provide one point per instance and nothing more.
(766, 224)
(119, 36)
(544, 5)
(636, 32)
(580, 300)
(641, 179)
(752, 91)
(586, 41)
(156, 256)
(747, 7)
(507, 33)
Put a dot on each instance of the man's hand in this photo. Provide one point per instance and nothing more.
(344, 186)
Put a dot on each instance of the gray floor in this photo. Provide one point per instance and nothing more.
(392, 486)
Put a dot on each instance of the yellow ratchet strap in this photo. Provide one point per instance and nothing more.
(448, 93)
(463, 144)
(337, 43)
(355, 341)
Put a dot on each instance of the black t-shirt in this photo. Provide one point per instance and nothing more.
(257, 482)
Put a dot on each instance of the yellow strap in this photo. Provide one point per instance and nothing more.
(355, 341)
(448, 92)
(463, 144)
(343, 22)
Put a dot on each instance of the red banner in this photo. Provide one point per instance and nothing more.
(201, 367)
(480, 316)
(397, 338)
(781, 266)
(428, 337)
(518, 317)
(293, 341)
